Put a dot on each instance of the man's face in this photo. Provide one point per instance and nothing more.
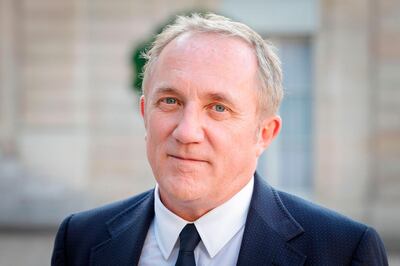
(200, 111)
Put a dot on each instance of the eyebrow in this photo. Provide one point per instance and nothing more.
(214, 96)
(220, 97)
(166, 90)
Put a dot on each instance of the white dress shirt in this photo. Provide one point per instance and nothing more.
(221, 231)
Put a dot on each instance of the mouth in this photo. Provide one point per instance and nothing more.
(187, 159)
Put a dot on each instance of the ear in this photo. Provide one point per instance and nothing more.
(268, 131)
(142, 105)
(142, 109)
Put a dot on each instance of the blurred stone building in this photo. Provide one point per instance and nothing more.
(71, 136)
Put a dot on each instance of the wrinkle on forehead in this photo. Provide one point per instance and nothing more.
(209, 55)
(230, 53)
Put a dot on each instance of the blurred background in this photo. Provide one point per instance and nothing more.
(71, 136)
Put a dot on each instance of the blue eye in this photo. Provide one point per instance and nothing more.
(219, 108)
(169, 100)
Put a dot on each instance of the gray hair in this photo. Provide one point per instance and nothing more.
(269, 66)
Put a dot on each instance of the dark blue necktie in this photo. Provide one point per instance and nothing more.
(188, 239)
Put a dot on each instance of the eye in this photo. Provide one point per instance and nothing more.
(219, 108)
(169, 100)
(168, 103)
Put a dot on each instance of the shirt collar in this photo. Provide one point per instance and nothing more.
(215, 228)
(167, 226)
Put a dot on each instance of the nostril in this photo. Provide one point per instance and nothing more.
(188, 132)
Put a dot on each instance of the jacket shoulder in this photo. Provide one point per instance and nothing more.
(82, 231)
(330, 236)
(102, 214)
(318, 219)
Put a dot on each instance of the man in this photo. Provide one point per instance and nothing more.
(212, 88)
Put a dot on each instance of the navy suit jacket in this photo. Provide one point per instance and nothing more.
(281, 229)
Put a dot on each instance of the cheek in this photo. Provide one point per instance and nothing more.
(238, 136)
(159, 128)
(154, 137)
(236, 145)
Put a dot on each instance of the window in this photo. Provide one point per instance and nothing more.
(288, 163)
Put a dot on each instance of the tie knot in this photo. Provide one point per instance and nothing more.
(189, 238)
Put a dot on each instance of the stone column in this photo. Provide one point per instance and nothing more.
(384, 191)
(8, 82)
(343, 108)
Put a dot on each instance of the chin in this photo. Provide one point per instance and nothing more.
(182, 189)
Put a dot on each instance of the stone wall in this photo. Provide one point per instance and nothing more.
(384, 192)
(71, 136)
(357, 112)
(71, 133)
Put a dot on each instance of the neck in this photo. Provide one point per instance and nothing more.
(192, 210)
(189, 210)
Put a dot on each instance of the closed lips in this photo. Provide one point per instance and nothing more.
(186, 158)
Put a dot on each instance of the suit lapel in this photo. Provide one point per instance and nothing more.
(266, 239)
(128, 231)
(268, 231)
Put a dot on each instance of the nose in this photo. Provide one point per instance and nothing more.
(189, 128)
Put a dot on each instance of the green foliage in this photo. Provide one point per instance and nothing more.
(137, 60)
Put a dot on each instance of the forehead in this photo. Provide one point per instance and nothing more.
(206, 58)
(209, 47)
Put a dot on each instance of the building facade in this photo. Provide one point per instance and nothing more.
(71, 136)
